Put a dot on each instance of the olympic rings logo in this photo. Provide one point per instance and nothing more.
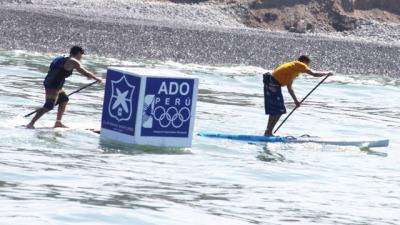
(171, 116)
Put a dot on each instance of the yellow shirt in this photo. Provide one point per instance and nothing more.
(287, 72)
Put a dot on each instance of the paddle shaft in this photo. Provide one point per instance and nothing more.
(74, 92)
(287, 117)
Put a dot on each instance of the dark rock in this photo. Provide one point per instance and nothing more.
(270, 17)
(310, 27)
(343, 23)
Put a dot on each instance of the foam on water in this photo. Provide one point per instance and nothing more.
(70, 176)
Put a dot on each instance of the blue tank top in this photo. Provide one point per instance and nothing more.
(56, 75)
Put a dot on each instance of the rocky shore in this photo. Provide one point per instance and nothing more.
(200, 33)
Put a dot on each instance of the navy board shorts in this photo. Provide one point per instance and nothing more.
(273, 99)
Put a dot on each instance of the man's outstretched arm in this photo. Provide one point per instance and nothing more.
(78, 66)
(319, 73)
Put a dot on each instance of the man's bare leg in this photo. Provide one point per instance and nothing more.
(272, 120)
(50, 94)
(60, 113)
(37, 116)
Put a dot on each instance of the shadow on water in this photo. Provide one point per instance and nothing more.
(267, 155)
(372, 152)
(113, 147)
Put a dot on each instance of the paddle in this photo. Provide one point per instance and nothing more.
(80, 89)
(287, 117)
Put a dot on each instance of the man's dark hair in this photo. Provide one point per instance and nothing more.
(76, 49)
(304, 59)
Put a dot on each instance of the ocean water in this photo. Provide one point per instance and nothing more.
(69, 176)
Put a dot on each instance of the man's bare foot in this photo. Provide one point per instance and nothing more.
(269, 134)
(30, 126)
(58, 124)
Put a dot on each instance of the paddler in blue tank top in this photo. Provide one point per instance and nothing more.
(61, 68)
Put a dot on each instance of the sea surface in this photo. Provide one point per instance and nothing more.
(70, 176)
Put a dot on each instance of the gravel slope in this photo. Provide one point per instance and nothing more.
(191, 34)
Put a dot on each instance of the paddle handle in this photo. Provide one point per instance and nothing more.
(287, 117)
(80, 89)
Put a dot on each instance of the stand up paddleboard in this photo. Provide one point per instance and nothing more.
(325, 141)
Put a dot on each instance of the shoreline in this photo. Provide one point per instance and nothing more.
(143, 39)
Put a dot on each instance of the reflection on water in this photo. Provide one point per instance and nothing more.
(70, 176)
(270, 156)
(112, 147)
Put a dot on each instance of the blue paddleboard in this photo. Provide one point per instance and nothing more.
(327, 141)
(244, 137)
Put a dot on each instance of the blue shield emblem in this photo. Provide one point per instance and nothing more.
(120, 103)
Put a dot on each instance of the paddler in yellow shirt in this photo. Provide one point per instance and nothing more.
(282, 76)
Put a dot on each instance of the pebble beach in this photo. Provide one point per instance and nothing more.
(202, 34)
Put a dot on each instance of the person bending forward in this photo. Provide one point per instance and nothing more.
(282, 76)
(60, 68)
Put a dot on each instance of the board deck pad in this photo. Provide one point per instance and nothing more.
(277, 139)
